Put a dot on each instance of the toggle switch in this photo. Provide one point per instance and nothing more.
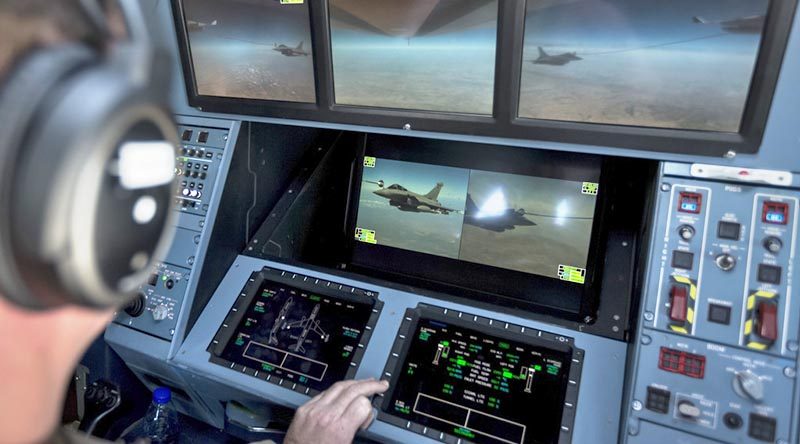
(678, 303)
(767, 320)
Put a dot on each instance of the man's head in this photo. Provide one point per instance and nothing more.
(26, 25)
(40, 349)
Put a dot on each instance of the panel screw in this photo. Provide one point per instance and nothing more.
(665, 187)
(790, 372)
(649, 316)
(172, 332)
(730, 154)
(407, 127)
(637, 405)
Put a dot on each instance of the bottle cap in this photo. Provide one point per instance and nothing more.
(162, 395)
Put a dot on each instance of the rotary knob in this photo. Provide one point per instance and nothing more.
(136, 307)
(686, 232)
(748, 385)
(160, 312)
(725, 262)
(773, 244)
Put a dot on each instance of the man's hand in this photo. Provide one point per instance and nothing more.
(334, 416)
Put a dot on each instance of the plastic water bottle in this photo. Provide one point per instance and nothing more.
(161, 420)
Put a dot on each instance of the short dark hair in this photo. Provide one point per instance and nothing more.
(29, 24)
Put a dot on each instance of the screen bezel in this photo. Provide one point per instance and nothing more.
(240, 306)
(473, 280)
(504, 122)
(485, 326)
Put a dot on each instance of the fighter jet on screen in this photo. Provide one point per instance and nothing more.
(497, 220)
(753, 24)
(290, 52)
(194, 26)
(557, 60)
(405, 200)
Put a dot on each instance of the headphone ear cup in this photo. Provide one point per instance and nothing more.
(24, 91)
(71, 216)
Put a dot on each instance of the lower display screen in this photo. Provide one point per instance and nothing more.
(480, 387)
(298, 335)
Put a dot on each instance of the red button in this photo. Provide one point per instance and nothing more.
(678, 303)
(767, 320)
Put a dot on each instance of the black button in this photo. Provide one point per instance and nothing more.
(209, 155)
(203, 137)
(205, 167)
(203, 176)
(729, 230)
(770, 274)
(762, 427)
(194, 174)
(197, 166)
(682, 259)
(169, 284)
(732, 420)
(658, 400)
(719, 314)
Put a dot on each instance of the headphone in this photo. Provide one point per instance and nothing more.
(87, 151)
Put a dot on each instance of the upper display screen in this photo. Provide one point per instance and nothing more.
(251, 49)
(298, 335)
(480, 387)
(681, 64)
(531, 224)
(432, 55)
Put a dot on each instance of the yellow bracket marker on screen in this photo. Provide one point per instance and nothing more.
(367, 236)
(369, 162)
(590, 188)
(292, 2)
(572, 274)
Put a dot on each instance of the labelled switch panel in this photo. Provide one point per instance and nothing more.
(718, 339)
(726, 252)
(737, 384)
(197, 166)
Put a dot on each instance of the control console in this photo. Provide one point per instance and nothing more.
(156, 308)
(718, 339)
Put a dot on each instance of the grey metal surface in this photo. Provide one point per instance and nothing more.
(729, 354)
(598, 411)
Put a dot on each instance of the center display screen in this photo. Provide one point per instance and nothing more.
(530, 224)
(480, 387)
(298, 335)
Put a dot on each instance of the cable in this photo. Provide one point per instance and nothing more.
(659, 45)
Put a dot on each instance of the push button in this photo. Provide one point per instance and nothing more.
(770, 274)
(682, 259)
(719, 314)
(729, 230)
(767, 320)
(657, 400)
(678, 303)
(690, 202)
(762, 427)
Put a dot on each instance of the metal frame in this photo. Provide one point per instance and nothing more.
(504, 122)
